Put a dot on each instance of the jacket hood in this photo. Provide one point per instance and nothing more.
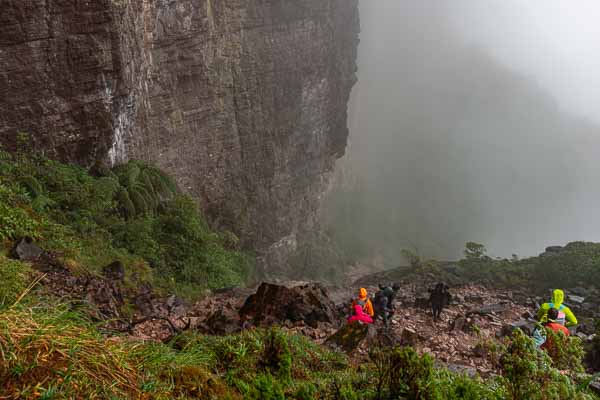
(362, 294)
(558, 296)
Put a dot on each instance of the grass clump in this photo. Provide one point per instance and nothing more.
(54, 351)
(15, 278)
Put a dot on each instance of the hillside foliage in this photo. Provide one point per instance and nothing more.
(133, 213)
(55, 353)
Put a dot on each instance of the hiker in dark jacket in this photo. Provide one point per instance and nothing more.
(439, 298)
(383, 304)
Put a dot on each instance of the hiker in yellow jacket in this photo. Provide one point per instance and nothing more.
(565, 315)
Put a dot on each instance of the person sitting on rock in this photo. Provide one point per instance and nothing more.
(383, 303)
(565, 315)
(364, 301)
(359, 315)
(439, 298)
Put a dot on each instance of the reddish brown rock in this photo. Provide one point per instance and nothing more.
(306, 302)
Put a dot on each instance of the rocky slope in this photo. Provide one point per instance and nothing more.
(244, 102)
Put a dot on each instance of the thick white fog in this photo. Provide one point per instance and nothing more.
(472, 121)
(556, 42)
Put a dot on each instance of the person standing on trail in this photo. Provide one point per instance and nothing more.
(383, 303)
(565, 315)
(439, 298)
(363, 301)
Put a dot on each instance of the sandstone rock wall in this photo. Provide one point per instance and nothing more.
(244, 101)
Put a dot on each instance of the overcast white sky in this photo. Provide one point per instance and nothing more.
(557, 41)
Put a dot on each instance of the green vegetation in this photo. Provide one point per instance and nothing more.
(15, 278)
(474, 250)
(133, 213)
(532, 374)
(566, 353)
(53, 353)
(574, 265)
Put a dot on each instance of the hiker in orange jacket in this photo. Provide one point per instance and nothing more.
(554, 325)
(364, 301)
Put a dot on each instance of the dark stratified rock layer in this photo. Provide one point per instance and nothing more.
(244, 102)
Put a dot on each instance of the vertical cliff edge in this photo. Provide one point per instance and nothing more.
(243, 101)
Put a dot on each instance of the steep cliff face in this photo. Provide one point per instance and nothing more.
(244, 101)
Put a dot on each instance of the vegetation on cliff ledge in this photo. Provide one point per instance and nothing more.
(133, 213)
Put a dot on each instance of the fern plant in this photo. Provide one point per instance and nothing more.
(144, 189)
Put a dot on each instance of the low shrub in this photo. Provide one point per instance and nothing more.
(566, 352)
(276, 357)
(402, 372)
(527, 373)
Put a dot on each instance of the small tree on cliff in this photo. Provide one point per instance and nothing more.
(474, 251)
(413, 257)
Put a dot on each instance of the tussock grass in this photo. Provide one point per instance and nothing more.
(56, 351)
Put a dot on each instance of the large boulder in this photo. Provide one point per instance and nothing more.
(306, 302)
(410, 337)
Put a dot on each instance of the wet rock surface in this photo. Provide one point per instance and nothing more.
(457, 339)
(305, 302)
(244, 102)
(26, 250)
(105, 299)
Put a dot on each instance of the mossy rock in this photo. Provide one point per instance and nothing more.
(350, 336)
